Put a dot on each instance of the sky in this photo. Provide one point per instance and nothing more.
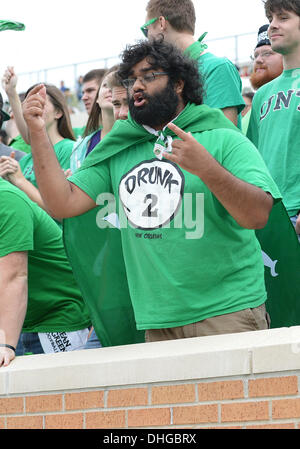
(73, 32)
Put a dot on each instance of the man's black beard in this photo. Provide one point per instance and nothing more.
(159, 110)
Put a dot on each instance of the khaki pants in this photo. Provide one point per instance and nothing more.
(246, 320)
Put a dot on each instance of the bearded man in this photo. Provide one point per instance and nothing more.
(267, 63)
(174, 160)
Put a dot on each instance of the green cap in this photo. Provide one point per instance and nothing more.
(10, 25)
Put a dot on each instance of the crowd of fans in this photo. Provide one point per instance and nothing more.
(171, 120)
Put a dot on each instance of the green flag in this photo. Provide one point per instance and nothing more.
(10, 25)
(281, 255)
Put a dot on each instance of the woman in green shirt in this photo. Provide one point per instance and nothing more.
(60, 134)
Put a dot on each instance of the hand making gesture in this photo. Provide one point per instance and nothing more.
(187, 152)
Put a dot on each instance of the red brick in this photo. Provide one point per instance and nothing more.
(25, 422)
(219, 427)
(84, 400)
(11, 405)
(273, 426)
(195, 414)
(105, 420)
(286, 408)
(127, 397)
(217, 391)
(245, 411)
(2, 423)
(273, 386)
(64, 421)
(45, 403)
(149, 417)
(173, 394)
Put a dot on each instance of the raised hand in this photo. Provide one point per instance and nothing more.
(34, 108)
(9, 81)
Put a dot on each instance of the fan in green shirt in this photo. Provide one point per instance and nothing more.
(273, 126)
(38, 293)
(187, 219)
(272, 129)
(175, 21)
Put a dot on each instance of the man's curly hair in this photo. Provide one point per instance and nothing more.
(164, 56)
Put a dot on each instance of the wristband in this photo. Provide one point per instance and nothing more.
(3, 345)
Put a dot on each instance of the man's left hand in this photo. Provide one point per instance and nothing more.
(187, 152)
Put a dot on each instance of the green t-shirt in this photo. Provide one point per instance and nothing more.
(54, 301)
(174, 278)
(274, 130)
(222, 82)
(63, 150)
(19, 144)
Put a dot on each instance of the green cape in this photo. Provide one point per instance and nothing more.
(126, 133)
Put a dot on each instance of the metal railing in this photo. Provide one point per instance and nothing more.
(237, 48)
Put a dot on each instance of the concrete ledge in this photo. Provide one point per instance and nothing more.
(177, 360)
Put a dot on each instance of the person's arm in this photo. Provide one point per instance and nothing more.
(62, 199)
(223, 89)
(13, 302)
(9, 83)
(249, 205)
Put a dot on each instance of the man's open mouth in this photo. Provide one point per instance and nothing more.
(139, 100)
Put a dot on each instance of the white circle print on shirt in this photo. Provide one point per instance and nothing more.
(151, 193)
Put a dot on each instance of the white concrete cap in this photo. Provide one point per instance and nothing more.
(176, 360)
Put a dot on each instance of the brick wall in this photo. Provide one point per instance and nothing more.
(266, 402)
(249, 399)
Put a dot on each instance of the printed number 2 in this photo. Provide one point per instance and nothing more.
(149, 212)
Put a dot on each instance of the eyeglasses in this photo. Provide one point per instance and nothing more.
(144, 28)
(264, 55)
(129, 83)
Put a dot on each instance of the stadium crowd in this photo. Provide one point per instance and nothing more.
(141, 225)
